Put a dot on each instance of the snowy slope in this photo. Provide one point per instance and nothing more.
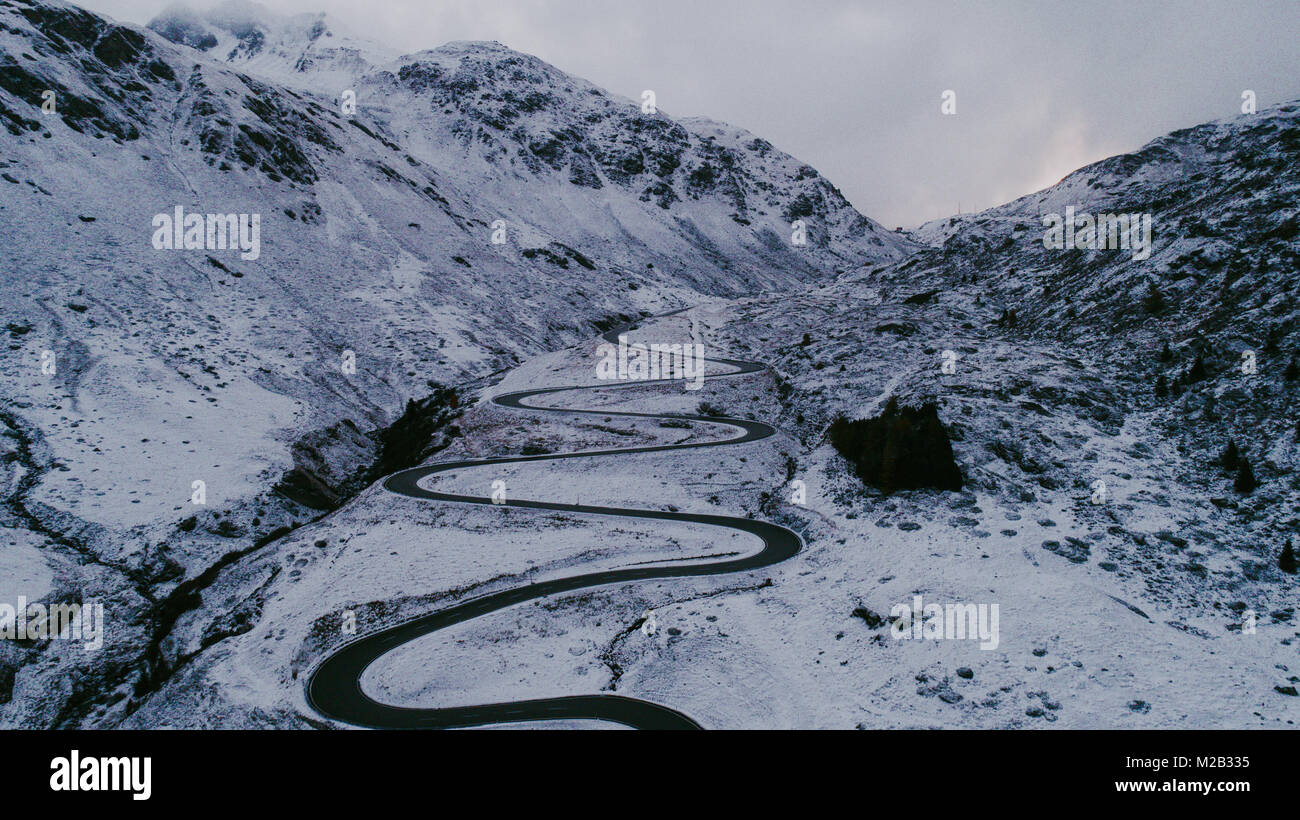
(1219, 284)
(1153, 599)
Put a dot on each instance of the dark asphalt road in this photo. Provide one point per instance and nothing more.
(334, 688)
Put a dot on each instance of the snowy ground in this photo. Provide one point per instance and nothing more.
(779, 647)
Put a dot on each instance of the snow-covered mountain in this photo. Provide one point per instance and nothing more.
(477, 207)
(491, 117)
(1209, 313)
(1092, 396)
(1222, 198)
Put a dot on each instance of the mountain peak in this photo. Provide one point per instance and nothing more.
(482, 108)
(474, 46)
(278, 47)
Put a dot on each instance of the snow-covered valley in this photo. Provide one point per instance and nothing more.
(199, 441)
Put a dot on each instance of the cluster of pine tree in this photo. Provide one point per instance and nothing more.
(901, 449)
(1232, 460)
(1195, 373)
(1154, 301)
(1273, 344)
(409, 439)
(1198, 372)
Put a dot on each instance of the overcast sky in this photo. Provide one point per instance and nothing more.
(854, 88)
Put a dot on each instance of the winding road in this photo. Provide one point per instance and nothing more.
(334, 687)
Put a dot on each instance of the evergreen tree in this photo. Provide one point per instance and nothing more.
(1286, 561)
(1208, 410)
(1162, 387)
(1274, 337)
(1154, 301)
(1292, 371)
(1166, 355)
(1245, 482)
(1229, 457)
(1197, 371)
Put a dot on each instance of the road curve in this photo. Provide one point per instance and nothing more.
(334, 687)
